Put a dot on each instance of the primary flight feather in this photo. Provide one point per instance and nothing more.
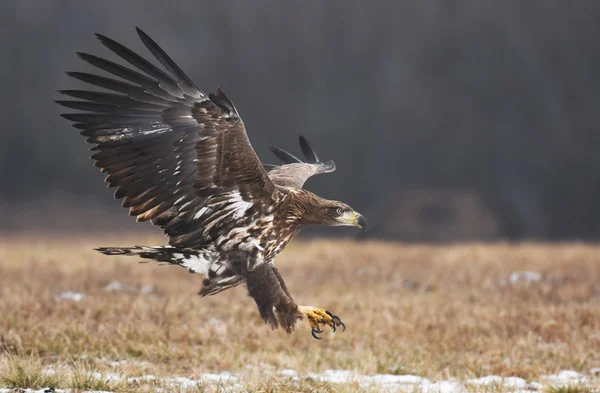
(182, 160)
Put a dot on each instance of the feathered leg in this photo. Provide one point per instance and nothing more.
(281, 282)
(275, 306)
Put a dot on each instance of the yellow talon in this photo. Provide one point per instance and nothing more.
(319, 316)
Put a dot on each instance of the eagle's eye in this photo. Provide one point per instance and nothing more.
(339, 211)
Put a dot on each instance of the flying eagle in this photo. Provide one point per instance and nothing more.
(182, 160)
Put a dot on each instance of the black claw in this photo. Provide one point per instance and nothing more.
(336, 321)
(314, 333)
(333, 328)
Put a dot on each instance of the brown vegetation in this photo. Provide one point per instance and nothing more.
(433, 311)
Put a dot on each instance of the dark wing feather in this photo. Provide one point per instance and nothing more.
(309, 153)
(183, 81)
(285, 155)
(165, 145)
(295, 172)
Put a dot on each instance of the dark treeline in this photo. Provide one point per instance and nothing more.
(448, 120)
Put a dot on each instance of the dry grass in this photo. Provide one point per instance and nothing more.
(437, 312)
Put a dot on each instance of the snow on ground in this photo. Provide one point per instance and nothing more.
(412, 383)
(566, 378)
(69, 295)
(113, 286)
(525, 276)
(184, 382)
(382, 382)
(116, 286)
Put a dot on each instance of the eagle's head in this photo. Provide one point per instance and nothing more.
(314, 210)
(340, 214)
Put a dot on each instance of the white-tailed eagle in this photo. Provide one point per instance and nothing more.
(182, 160)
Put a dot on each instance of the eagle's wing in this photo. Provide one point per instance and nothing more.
(165, 144)
(295, 172)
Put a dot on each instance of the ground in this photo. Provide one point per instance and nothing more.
(73, 318)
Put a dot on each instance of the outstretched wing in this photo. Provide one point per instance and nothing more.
(295, 172)
(168, 147)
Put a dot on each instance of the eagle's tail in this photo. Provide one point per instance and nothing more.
(196, 261)
(218, 276)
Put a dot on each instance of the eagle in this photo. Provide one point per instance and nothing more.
(182, 160)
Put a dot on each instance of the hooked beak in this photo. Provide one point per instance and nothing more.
(353, 219)
(359, 221)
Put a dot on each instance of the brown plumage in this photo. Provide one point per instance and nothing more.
(182, 160)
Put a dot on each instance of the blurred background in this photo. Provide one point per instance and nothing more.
(448, 120)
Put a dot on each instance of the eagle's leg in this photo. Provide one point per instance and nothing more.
(319, 316)
(275, 306)
(281, 282)
(315, 316)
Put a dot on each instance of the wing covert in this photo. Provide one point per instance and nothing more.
(295, 172)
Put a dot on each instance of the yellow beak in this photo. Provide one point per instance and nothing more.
(359, 221)
(353, 218)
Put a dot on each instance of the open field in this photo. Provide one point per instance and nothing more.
(437, 312)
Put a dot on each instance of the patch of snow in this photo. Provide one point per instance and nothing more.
(145, 378)
(524, 276)
(387, 379)
(224, 376)
(450, 386)
(489, 380)
(382, 382)
(565, 378)
(514, 382)
(334, 376)
(401, 383)
(410, 383)
(288, 373)
(535, 386)
(182, 382)
(494, 380)
(113, 286)
(116, 286)
(69, 295)
(105, 376)
(187, 382)
(217, 323)
(117, 363)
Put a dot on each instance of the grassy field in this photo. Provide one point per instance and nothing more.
(438, 312)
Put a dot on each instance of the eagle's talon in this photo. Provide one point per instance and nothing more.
(318, 316)
(339, 322)
(336, 321)
(314, 332)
